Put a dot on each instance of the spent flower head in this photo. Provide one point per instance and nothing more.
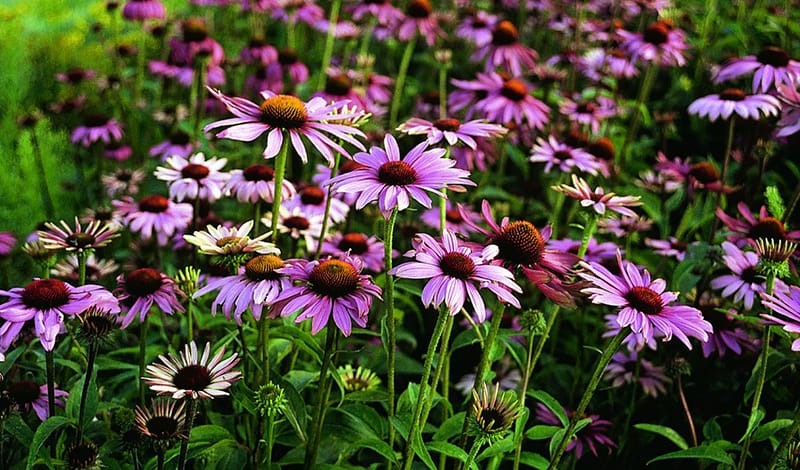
(494, 412)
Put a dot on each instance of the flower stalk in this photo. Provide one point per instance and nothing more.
(388, 296)
(280, 170)
(323, 393)
(400, 82)
(187, 430)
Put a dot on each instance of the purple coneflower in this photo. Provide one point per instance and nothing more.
(522, 245)
(256, 182)
(141, 288)
(773, 67)
(258, 51)
(95, 235)
(660, 41)
(591, 436)
(154, 215)
(288, 65)
(786, 304)
(455, 272)
(733, 100)
(596, 252)
(27, 395)
(46, 302)
(285, 113)
(670, 247)
(393, 180)
(452, 130)
(194, 178)
(179, 144)
(628, 368)
(324, 288)
(790, 116)
(358, 245)
(644, 304)
(311, 201)
(117, 151)
(339, 88)
(505, 50)
(745, 282)
(75, 75)
(96, 127)
(143, 10)
(419, 18)
(297, 224)
(96, 269)
(193, 375)
(383, 10)
(163, 422)
(477, 27)
(598, 200)
(750, 229)
(123, 181)
(552, 153)
(589, 112)
(7, 242)
(727, 335)
(454, 220)
(221, 240)
(625, 225)
(256, 285)
(510, 101)
(323, 176)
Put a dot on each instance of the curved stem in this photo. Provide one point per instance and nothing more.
(473, 452)
(602, 363)
(85, 389)
(408, 452)
(523, 391)
(280, 170)
(687, 411)
(322, 398)
(388, 296)
(187, 431)
(400, 82)
(644, 92)
(328, 200)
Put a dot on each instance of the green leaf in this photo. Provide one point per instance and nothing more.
(711, 430)
(703, 452)
(43, 432)
(552, 404)
(534, 460)
(450, 450)
(422, 451)
(74, 401)
(464, 339)
(503, 446)
(451, 427)
(19, 429)
(295, 413)
(767, 430)
(541, 431)
(664, 431)
(368, 396)
(752, 423)
(209, 433)
(555, 440)
(302, 340)
(378, 445)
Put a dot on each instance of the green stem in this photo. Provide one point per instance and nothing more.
(326, 55)
(588, 231)
(539, 348)
(190, 318)
(160, 459)
(322, 398)
(388, 296)
(257, 218)
(400, 82)
(602, 363)
(413, 430)
(526, 377)
(473, 452)
(47, 199)
(82, 255)
(187, 431)
(85, 389)
(51, 382)
(485, 361)
(762, 377)
(441, 365)
(725, 162)
(443, 94)
(142, 351)
(686, 410)
(263, 333)
(644, 92)
(270, 437)
(784, 442)
(328, 201)
(280, 170)
(199, 97)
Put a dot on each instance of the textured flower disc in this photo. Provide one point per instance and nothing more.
(334, 278)
(457, 265)
(520, 243)
(397, 173)
(24, 392)
(143, 281)
(154, 204)
(312, 195)
(774, 56)
(283, 112)
(263, 267)
(504, 34)
(645, 300)
(514, 90)
(258, 172)
(44, 294)
(355, 242)
(195, 171)
(447, 124)
(769, 228)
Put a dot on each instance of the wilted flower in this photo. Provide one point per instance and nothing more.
(494, 412)
(94, 235)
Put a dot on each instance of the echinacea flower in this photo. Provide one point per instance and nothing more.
(790, 116)
(590, 436)
(629, 369)
(96, 269)
(643, 303)
(142, 10)
(455, 273)
(358, 380)
(494, 411)
(764, 225)
(256, 285)
(162, 423)
(453, 218)
(78, 239)
(221, 240)
(598, 200)
(660, 42)
(451, 130)
(122, 181)
(193, 178)
(141, 288)
(358, 245)
(154, 216)
(28, 395)
(179, 143)
(419, 18)
(7, 242)
(256, 183)
(96, 127)
(771, 68)
(327, 288)
(745, 281)
(46, 302)
(510, 101)
(393, 180)
(786, 304)
(258, 51)
(589, 112)
(552, 153)
(505, 51)
(297, 224)
(312, 201)
(286, 116)
(192, 375)
(728, 335)
(733, 100)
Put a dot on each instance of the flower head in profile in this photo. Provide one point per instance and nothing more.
(419, 19)
(394, 179)
(29, 395)
(297, 224)
(359, 379)
(7, 242)
(510, 101)
(629, 369)
(729, 334)
(96, 127)
(256, 285)
(455, 273)
(79, 239)
(286, 116)
(221, 240)
(68, 268)
(162, 422)
(452, 131)
(749, 228)
(554, 153)
(785, 305)
(494, 412)
(45, 302)
(734, 101)
(327, 288)
(593, 435)
(122, 181)
(154, 216)
(598, 200)
(194, 177)
(142, 10)
(141, 288)
(256, 183)
(506, 51)
(643, 303)
(193, 375)
(358, 245)
(771, 68)
(745, 281)
(660, 42)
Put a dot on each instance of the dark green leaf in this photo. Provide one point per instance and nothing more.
(378, 445)
(541, 431)
(73, 401)
(752, 423)
(767, 430)
(451, 427)
(19, 429)
(703, 452)
(43, 432)
(534, 460)
(664, 431)
(552, 404)
(450, 450)
(422, 451)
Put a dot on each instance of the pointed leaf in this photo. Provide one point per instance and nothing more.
(703, 452)
(664, 431)
(552, 404)
(43, 432)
